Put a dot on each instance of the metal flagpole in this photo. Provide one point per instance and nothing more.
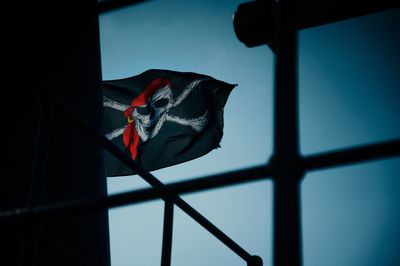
(167, 233)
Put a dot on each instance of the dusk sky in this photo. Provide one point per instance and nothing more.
(348, 95)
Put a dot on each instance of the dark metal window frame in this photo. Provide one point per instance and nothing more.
(286, 167)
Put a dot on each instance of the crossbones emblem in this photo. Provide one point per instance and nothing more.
(149, 111)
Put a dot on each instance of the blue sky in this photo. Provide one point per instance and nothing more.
(348, 95)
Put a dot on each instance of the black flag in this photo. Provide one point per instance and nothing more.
(162, 117)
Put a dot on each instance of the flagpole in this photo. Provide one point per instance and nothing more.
(286, 160)
(167, 233)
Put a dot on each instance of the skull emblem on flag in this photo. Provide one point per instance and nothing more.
(149, 111)
(163, 117)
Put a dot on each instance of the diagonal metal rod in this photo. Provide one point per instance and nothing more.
(213, 229)
(153, 181)
(167, 233)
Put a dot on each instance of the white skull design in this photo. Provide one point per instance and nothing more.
(149, 115)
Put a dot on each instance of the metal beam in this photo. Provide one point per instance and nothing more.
(110, 5)
(319, 161)
(351, 155)
(309, 163)
(285, 160)
(254, 20)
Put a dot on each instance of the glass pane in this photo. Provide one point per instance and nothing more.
(136, 234)
(349, 82)
(242, 212)
(351, 215)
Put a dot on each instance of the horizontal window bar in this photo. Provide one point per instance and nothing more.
(351, 155)
(109, 5)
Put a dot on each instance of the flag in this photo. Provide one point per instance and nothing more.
(162, 118)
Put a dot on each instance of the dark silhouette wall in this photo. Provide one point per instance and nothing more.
(51, 50)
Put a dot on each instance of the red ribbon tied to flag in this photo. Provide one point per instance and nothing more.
(131, 136)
